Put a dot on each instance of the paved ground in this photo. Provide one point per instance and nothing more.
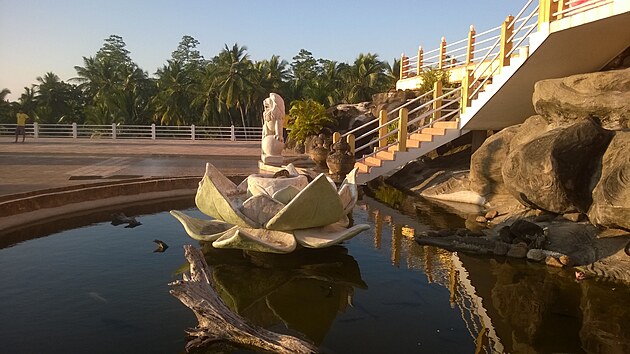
(48, 163)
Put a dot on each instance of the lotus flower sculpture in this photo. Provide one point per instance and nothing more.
(272, 215)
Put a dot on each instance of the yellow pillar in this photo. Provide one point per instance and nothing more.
(350, 139)
(437, 102)
(378, 229)
(402, 129)
(561, 5)
(467, 80)
(382, 131)
(420, 59)
(544, 12)
(442, 53)
(470, 48)
(506, 46)
(336, 137)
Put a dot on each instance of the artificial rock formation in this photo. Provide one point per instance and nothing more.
(611, 195)
(567, 158)
(602, 94)
(553, 172)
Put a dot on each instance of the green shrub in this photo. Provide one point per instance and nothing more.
(307, 118)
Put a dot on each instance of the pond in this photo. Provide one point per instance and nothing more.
(82, 284)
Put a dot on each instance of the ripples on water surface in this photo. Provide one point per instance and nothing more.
(101, 289)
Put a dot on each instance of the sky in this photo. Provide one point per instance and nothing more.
(40, 36)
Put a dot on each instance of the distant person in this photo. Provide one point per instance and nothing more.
(21, 125)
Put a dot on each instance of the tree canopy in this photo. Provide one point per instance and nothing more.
(188, 89)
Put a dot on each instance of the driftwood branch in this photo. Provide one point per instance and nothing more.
(217, 323)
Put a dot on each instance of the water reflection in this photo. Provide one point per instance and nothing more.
(507, 305)
(304, 290)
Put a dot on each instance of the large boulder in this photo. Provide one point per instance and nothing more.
(554, 171)
(486, 163)
(603, 94)
(611, 196)
(348, 116)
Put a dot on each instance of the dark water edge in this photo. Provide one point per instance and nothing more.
(100, 288)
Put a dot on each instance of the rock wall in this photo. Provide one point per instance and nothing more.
(572, 156)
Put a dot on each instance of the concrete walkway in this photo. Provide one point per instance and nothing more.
(45, 163)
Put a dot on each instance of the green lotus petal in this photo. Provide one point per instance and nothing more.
(316, 205)
(286, 194)
(201, 230)
(223, 183)
(212, 202)
(320, 237)
(259, 240)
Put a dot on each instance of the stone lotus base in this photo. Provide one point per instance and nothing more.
(273, 215)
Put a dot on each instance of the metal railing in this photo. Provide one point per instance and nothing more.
(153, 132)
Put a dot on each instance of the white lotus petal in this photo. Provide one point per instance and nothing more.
(292, 170)
(201, 230)
(316, 205)
(259, 240)
(348, 194)
(351, 177)
(212, 202)
(286, 194)
(320, 237)
(272, 185)
(255, 189)
(261, 208)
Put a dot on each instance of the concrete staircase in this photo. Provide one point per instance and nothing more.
(499, 95)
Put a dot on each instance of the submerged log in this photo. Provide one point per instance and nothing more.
(217, 323)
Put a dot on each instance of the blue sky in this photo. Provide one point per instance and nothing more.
(38, 36)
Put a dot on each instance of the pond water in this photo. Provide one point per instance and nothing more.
(81, 284)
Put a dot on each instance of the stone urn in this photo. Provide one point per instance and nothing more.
(340, 161)
(319, 151)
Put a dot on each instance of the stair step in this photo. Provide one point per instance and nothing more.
(386, 155)
(446, 125)
(372, 161)
(411, 144)
(421, 137)
(433, 131)
(363, 168)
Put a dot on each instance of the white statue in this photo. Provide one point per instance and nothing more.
(272, 138)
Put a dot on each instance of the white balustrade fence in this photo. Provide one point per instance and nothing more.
(153, 132)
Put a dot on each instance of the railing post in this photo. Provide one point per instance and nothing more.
(420, 59)
(402, 129)
(437, 102)
(470, 48)
(350, 139)
(35, 130)
(560, 5)
(404, 62)
(544, 10)
(192, 132)
(113, 130)
(153, 131)
(467, 80)
(232, 133)
(506, 46)
(442, 57)
(336, 137)
(74, 130)
(382, 131)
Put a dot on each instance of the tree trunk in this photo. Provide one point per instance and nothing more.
(217, 323)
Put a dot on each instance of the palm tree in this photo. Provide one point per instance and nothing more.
(365, 78)
(6, 113)
(173, 101)
(233, 77)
